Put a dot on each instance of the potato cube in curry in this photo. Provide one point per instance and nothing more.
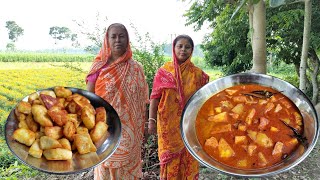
(218, 109)
(278, 108)
(231, 91)
(211, 142)
(269, 107)
(263, 123)
(262, 159)
(221, 129)
(225, 150)
(242, 163)
(263, 140)
(242, 127)
(240, 139)
(278, 148)
(251, 149)
(250, 116)
(221, 117)
(238, 109)
(274, 129)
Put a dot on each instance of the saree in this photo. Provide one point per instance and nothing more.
(174, 84)
(123, 85)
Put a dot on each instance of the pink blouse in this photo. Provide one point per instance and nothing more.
(93, 77)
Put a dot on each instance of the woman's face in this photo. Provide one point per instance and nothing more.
(183, 50)
(118, 40)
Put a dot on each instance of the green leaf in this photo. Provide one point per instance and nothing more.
(255, 1)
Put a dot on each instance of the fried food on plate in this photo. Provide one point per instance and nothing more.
(24, 136)
(57, 154)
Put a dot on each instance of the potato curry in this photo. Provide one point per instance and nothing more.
(249, 126)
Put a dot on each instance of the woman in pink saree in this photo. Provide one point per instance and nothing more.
(120, 80)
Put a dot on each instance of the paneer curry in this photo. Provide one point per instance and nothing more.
(248, 126)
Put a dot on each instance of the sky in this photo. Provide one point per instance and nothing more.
(162, 19)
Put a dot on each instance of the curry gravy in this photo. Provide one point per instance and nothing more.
(245, 130)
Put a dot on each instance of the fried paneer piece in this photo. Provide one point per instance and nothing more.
(69, 129)
(99, 130)
(40, 115)
(74, 118)
(48, 100)
(47, 142)
(58, 115)
(32, 124)
(19, 115)
(82, 130)
(24, 107)
(72, 107)
(32, 97)
(35, 149)
(65, 143)
(55, 132)
(62, 92)
(24, 136)
(23, 124)
(84, 143)
(57, 154)
(101, 114)
(61, 103)
(49, 92)
(88, 118)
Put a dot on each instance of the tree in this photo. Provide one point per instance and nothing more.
(285, 40)
(95, 34)
(305, 45)
(59, 33)
(14, 32)
(74, 40)
(214, 10)
(229, 45)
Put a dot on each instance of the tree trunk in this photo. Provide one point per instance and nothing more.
(259, 38)
(314, 75)
(305, 45)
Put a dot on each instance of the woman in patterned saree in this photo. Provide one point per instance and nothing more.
(173, 85)
(120, 80)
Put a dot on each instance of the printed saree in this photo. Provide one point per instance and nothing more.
(174, 85)
(123, 85)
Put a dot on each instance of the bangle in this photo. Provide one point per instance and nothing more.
(152, 119)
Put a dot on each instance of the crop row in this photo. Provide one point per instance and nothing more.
(44, 57)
